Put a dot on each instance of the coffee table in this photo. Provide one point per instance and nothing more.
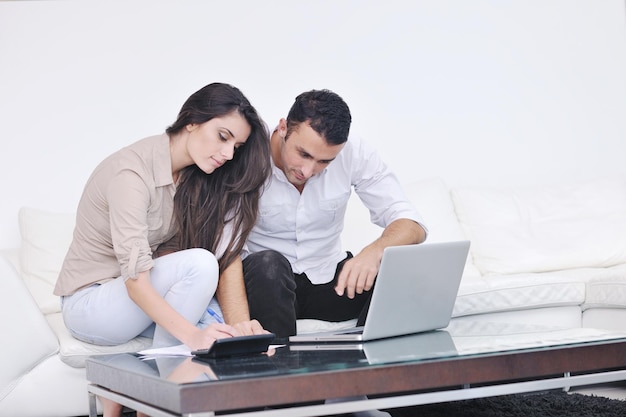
(466, 360)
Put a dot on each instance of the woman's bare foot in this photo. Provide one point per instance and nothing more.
(110, 408)
(140, 414)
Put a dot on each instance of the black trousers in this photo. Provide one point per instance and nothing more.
(277, 297)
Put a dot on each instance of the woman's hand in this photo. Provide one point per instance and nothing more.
(204, 338)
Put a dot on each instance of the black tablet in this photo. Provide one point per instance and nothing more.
(237, 346)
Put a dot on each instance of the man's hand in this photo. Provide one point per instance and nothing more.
(358, 274)
(246, 328)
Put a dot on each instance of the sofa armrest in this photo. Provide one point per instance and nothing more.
(27, 339)
(13, 256)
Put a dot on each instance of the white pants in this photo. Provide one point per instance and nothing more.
(105, 314)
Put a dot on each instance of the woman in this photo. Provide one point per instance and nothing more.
(195, 187)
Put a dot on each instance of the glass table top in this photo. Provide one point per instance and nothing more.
(460, 339)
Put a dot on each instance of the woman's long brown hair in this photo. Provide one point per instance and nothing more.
(204, 203)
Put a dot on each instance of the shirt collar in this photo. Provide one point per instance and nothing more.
(162, 162)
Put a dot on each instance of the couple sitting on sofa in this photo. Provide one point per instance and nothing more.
(191, 196)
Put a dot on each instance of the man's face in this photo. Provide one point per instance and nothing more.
(305, 153)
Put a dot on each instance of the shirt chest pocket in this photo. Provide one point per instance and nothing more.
(333, 209)
(160, 216)
(276, 219)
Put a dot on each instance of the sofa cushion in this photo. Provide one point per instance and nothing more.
(434, 202)
(608, 290)
(46, 237)
(604, 318)
(514, 292)
(74, 352)
(315, 326)
(27, 339)
(519, 230)
(432, 199)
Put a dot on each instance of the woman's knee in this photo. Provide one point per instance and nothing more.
(186, 276)
(203, 268)
(203, 259)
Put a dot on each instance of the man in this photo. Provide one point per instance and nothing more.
(296, 268)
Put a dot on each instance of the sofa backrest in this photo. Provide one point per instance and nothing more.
(432, 199)
(547, 228)
(512, 230)
(46, 237)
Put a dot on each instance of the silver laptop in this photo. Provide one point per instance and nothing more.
(414, 292)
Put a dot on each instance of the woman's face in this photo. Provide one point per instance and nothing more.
(212, 143)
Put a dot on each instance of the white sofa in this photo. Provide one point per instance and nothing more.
(548, 255)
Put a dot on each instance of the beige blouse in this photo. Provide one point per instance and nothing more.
(125, 212)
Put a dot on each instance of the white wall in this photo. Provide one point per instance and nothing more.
(479, 92)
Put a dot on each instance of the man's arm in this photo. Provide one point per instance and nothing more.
(358, 274)
(231, 294)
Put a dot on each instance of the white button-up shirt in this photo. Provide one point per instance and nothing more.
(306, 227)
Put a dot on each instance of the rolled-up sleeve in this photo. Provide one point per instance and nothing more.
(379, 189)
(129, 202)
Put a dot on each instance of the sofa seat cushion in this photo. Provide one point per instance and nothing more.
(474, 337)
(315, 326)
(497, 293)
(540, 229)
(605, 318)
(607, 290)
(74, 352)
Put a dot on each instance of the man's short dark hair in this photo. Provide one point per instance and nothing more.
(325, 112)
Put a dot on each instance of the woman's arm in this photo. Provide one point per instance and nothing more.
(141, 291)
(231, 294)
